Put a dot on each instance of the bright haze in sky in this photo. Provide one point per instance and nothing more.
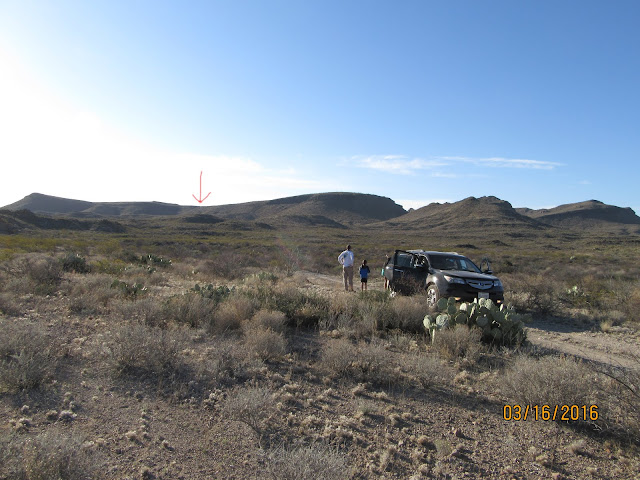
(537, 103)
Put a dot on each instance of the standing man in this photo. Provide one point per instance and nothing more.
(346, 260)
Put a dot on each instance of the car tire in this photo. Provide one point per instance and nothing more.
(433, 295)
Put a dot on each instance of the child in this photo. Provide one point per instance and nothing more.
(364, 274)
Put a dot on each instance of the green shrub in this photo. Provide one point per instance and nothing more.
(72, 262)
(128, 290)
(217, 294)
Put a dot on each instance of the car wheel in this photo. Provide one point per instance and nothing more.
(433, 295)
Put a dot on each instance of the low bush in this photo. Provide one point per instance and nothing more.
(362, 362)
(314, 462)
(33, 273)
(268, 319)
(225, 362)
(91, 293)
(252, 406)
(551, 381)
(538, 294)
(49, 456)
(231, 314)
(408, 313)
(189, 309)
(10, 305)
(139, 349)
(265, 344)
(72, 262)
(302, 308)
(148, 311)
(459, 343)
(26, 358)
(620, 390)
(430, 371)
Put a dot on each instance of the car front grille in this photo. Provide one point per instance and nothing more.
(480, 284)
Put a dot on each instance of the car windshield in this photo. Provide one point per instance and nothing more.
(453, 262)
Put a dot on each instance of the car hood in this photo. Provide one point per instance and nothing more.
(469, 275)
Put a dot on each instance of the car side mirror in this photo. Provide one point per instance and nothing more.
(487, 270)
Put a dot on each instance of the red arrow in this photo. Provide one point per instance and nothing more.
(201, 199)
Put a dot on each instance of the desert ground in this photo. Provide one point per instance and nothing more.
(232, 351)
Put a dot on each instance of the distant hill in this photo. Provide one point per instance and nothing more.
(592, 215)
(39, 203)
(471, 214)
(330, 209)
(14, 221)
(335, 209)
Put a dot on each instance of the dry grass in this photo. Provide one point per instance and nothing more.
(90, 294)
(252, 406)
(49, 456)
(139, 349)
(26, 358)
(408, 313)
(265, 344)
(429, 371)
(550, 381)
(33, 273)
(267, 319)
(315, 462)
(191, 309)
(362, 362)
(231, 314)
(460, 343)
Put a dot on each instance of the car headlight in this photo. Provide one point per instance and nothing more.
(497, 283)
(451, 279)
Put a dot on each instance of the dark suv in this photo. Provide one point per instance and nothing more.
(441, 274)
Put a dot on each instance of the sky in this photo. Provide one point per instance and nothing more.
(534, 102)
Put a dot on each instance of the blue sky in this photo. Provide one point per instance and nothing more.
(537, 103)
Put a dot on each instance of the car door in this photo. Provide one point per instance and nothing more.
(399, 270)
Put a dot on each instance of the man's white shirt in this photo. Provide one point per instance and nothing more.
(346, 258)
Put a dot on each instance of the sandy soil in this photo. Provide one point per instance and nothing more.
(135, 428)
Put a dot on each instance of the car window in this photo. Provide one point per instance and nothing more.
(403, 260)
(450, 262)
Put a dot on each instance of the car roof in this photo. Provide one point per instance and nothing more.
(430, 252)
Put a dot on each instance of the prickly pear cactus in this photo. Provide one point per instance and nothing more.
(500, 324)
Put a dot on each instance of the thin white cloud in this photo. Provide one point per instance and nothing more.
(404, 165)
(500, 162)
(398, 164)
